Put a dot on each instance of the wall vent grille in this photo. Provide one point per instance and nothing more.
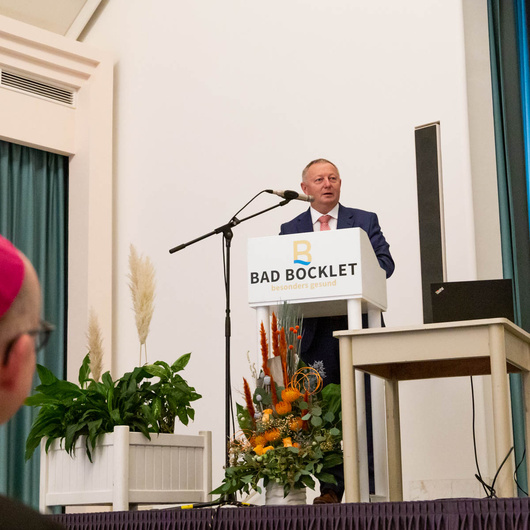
(37, 88)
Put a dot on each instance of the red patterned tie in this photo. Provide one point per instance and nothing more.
(324, 222)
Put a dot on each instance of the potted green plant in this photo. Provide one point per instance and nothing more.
(290, 425)
(122, 424)
(147, 400)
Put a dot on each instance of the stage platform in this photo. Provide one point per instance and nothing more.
(448, 514)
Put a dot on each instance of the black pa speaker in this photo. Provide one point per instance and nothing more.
(454, 301)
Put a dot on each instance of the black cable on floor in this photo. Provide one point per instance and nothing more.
(490, 490)
(490, 493)
(515, 473)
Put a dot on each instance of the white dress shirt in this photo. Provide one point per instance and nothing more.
(332, 222)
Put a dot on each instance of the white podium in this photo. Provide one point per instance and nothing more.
(326, 274)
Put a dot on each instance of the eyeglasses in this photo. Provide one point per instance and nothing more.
(41, 335)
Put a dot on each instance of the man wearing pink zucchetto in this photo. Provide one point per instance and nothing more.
(22, 333)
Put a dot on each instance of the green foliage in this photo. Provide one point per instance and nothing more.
(244, 419)
(92, 408)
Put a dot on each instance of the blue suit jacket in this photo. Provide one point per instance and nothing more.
(318, 343)
(350, 218)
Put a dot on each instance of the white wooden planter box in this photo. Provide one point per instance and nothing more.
(128, 469)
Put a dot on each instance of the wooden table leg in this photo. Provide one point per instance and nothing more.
(504, 484)
(352, 489)
(393, 436)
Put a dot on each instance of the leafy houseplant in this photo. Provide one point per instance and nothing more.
(98, 403)
(290, 425)
(92, 408)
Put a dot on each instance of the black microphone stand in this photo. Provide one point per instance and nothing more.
(228, 235)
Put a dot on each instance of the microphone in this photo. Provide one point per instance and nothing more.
(290, 195)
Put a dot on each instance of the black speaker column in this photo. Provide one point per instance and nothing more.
(430, 211)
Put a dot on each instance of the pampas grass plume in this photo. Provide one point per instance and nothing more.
(142, 286)
(95, 346)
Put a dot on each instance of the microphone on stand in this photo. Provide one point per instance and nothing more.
(290, 195)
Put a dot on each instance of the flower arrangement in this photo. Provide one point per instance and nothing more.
(290, 425)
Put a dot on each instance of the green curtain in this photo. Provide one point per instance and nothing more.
(33, 215)
(511, 176)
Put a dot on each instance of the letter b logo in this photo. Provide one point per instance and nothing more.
(301, 252)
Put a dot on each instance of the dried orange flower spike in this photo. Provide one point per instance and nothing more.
(264, 350)
(248, 399)
(274, 396)
(283, 356)
(275, 332)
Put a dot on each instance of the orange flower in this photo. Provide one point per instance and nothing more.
(296, 424)
(266, 415)
(290, 394)
(297, 445)
(260, 450)
(283, 408)
(299, 337)
(258, 440)
(272, 435)
(287, 442)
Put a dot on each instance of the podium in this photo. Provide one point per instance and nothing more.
(325, 274)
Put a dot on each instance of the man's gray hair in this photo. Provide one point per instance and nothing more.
(318, 161)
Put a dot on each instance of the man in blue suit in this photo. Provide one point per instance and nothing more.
(321, 180)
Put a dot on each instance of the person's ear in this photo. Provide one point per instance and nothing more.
(303, 185)
(16, 376)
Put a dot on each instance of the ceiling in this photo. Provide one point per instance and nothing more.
(65, 17)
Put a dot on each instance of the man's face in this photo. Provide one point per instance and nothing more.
(16, 376)
(322, 181)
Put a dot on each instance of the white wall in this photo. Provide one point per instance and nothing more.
(215, 101)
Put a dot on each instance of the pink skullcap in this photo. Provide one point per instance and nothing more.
(11, 274)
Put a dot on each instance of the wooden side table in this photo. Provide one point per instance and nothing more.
(474, 347)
